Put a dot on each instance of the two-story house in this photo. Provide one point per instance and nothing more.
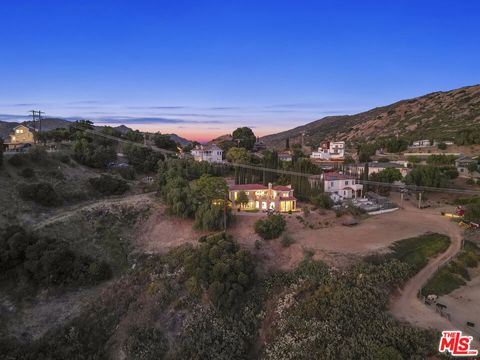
(330, 150)
(463, 164)
(21, 135)
(279, 198)
(211, 153)
(345, 186)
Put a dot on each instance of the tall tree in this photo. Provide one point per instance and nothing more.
(163, 141)
(244, 137)
(1, 152)
(238, 155)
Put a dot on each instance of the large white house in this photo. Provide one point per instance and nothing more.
(330, 150)
(343, 186)
(210, 153)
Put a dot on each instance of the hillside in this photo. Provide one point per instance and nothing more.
(6, 128)
(47, 124)
(437, 115)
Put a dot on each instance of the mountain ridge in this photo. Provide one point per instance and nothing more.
(435, 115)
(6, 128)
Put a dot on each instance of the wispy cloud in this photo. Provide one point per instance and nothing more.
(13, 117)
(150, 120)
(158, 107)
(22, 104)
(223, 108)
(86, 102)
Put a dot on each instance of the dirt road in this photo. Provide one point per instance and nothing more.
(68, 212)
(406, 306)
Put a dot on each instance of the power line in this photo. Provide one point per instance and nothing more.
(316, 177)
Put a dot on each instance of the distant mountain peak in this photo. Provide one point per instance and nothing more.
(436, 115)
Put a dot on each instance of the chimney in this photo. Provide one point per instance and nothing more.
(269, 186)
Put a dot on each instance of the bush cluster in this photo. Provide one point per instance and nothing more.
(47, 261)
(271, 227)
(109, 185)
(42, 193)
(223, 268)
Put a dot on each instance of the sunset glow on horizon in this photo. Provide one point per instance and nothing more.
(201, 69)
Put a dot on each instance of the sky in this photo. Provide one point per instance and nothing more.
(202, 68)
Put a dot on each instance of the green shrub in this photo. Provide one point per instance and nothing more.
(47, 261)
(41, 193)
(223, 268)
(17, 160)
(306, 211)
(37, 153)
(271, 227)
(146, 343)
(128, 173)
(308, 253)
(109, 185)
(286, 240)
(322, 201)
(27, 173)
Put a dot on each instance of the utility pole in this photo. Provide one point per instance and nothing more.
(40, 120)
(225, 214)
(420, 200)
(33, 118)
(401, 199)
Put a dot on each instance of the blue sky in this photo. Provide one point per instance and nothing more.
(202, 68)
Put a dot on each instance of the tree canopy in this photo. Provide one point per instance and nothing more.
(164, 141)
(245, 137)
(238, 155)
(222, 268)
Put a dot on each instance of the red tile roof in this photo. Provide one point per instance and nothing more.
(282, 188)
(248, 187)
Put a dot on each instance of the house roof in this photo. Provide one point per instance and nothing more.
(382, 165)
(282, 188)
(331, 176)
(208, 147)
(251, 187)
(248, 187)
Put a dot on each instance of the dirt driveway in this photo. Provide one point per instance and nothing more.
(320, 232)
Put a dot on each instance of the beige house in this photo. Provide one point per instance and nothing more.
(20, 136)
(279, 198)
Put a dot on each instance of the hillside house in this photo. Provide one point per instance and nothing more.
(330, 150)
(421, 143)
(211, 153)
(285, 156)
(375, 167)
(20, 137)
(279, 198)
(462, 164)
(259, 145)
(341, 185)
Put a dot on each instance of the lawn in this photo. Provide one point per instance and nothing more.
(417, 250)
(455, 273)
